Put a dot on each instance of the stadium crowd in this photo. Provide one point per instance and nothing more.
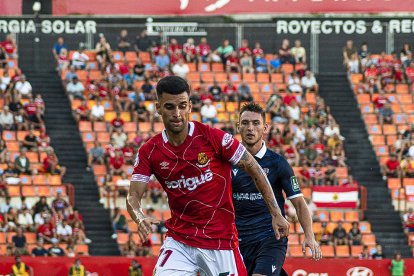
(51, 227)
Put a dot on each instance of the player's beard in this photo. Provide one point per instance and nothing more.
(251, 143)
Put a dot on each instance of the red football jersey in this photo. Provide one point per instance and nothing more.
(197, 178)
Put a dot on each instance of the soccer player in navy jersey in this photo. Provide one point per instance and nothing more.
(262, 253)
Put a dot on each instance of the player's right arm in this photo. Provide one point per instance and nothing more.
(250, 165)
(137, 188)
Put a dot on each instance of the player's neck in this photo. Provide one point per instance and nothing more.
(177, 139)
(253, 149)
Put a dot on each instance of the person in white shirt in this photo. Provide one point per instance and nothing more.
(331, 129)
(97, 111)
(309, 82)
(79, 59)
(75, 89)
(64, 231)
(24, 87)
(181, 69)
(208, 113)
(5, 81)
(293, 111)
(6, 118)
(5, 206)
(298, 52)
(25, 220)
(119, 138)
(294, 83)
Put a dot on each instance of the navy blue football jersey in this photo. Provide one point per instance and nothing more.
(253, 220)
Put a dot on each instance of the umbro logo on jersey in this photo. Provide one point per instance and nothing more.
(235, 171)
(274, 268)
(164, 165)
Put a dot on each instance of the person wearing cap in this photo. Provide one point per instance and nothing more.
(208, 113)
(20, 268)
(75, 89)
(77, 269)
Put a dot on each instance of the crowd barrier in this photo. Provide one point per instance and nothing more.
(108, 266)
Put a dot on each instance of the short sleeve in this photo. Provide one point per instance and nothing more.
(142, 167)
(229, 148)
(287, 179)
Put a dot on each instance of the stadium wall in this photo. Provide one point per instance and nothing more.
(106, 266)
(324, 37)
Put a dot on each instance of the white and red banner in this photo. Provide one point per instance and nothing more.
(335, 197)
(226, 7)
(108, 266)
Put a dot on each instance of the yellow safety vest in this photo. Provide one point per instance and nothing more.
(79, 272)
(20, 271)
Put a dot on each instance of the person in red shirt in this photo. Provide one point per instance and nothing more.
(232, 63)
(289, 98)
(117, 122)
(398, 71)
(305, 176)
(33, 114)
(230, 92)
(386, 74)
(82, 112)
(409, 72)
(245, 48)
(257, 51)
(190, 51)
(116, 163)
(380, 101)
(75, 216)
(392, 167)
(175, 51)
(124, 68)
(128, 153)
(203, 50)
(51, 164)
(46, 231)
(193, 163)
(9, 46)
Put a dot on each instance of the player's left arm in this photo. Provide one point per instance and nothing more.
(250, 165)
(305, 220)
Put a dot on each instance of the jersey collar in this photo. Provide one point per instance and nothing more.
(190, 132)
(262, 151)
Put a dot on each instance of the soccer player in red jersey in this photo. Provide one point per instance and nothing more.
(193, 164)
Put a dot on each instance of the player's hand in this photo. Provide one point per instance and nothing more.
(280, 226)
(314, 247)
(145, 227)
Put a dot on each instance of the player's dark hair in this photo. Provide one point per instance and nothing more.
(253, 107)
(172, 85)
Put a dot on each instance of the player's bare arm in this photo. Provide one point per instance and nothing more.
(250, 165)
(133, 203)
(305, 220)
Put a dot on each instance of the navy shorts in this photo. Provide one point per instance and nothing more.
(265, 257)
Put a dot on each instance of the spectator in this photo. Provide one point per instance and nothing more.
(39, 250)
(224, 51)
(116, 164)
(103, 52)
(293, 111)
(407, 166)
(232, 63)
(82, 112)
(139, 69)
(97, 111)
(56, 250)
(246, 63)
(96, 155)
(75, 216)
(175, 51)
(6, 119)
(209, 113)
(285, 52)
(261, 64)
(298, 52)
(385, 114)
(405, 52)
(244, 92)
(330, 176)
(39, 218)
(11, 174)
(46, 231)
(9, 46)
(24, 204)
(143, 42)
(392, 167)
(58, 47)
(324, 237)
(20, 268)
(397, 266)
(195, 100)
(79, 233)
(135, 269)
(181, 69)
(348, 51)
(23, 87)
(51, 164)
(378, 254)
(203, 50)
(60, 204)
(148, 89)
(75, 89)
(294, 84)
(41, 205)
(25, 219)
(77, 269)
(355, 237)
(230, 92)
(353, 64)
(119, 223)
(317, 175)
(123, 41)
(189, 50)
(309, 83)
(64, 231)
(5, 80)
(216, 91)
(364, 55)
(130, 78)
(340, 235)
(3, 63)
(79, 60)
(331, 129)
(365, 255)
(162, 60)
(119, 138)
(275, 64)
(43, 141)
(22, 163)
(33, 114)
(19, 242)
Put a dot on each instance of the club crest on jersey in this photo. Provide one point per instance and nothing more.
(164, 165)
(202, 160)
